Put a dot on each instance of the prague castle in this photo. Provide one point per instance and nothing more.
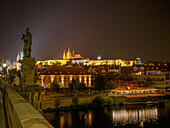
(68, 55)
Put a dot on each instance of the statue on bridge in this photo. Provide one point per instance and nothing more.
(28, 63)
(27, 38)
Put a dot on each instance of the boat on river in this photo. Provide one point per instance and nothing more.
(141, 95)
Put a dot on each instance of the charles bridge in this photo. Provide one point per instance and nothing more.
(17, 112)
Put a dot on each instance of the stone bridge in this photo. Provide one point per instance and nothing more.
(18, 113)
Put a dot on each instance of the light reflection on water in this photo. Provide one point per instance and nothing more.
(124, 116)
(108, 117)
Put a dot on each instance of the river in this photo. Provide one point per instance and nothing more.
(108, 117)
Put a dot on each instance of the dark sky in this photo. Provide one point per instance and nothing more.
(112, 28)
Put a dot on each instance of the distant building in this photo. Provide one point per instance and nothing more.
(69, 55)
(138, 61)
(72, 58)
(58, 62)
(156, 75)
(64, 75)
(104, 69)
(20, 56)
(117, 62)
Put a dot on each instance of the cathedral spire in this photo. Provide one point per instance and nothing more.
(18, 56)
(68, 49)
(64, 55)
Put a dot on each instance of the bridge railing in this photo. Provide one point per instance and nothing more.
(20, 113)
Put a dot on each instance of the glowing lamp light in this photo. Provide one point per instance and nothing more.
(128, 88)
(4, 65)
(99, 57)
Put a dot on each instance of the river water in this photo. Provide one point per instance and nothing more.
(130, 116)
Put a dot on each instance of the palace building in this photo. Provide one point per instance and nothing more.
(64, 75)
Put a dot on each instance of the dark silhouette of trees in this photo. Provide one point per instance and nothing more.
(99, 82)
(54, 87)
(75, 85)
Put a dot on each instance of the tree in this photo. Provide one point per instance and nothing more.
(100, 82)
(41, 64)
(75, 100)
(57, 63)
(73, 86)
(68, 63)
(81, 87)
(57, 103)
(54, 86)
(110, 101)
(75, 64)
(98, 100)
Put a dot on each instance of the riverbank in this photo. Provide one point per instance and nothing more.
(66, 103)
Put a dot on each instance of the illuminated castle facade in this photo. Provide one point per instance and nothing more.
(69, 55)
(77, 58)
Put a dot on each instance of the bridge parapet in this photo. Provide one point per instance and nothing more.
(21, 114)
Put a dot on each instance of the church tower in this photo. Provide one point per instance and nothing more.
(18, 57)
(64, 55)
(68, 54)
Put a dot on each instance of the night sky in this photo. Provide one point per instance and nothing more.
(111, 28)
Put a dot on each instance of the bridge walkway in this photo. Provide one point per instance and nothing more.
(2, 116)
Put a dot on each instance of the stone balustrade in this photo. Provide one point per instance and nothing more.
(20, 113)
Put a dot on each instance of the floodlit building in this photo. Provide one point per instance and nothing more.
(153, 74)
(64, 75)
(138, 61)
(58, 62)
(120, 62)
(69, 55)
